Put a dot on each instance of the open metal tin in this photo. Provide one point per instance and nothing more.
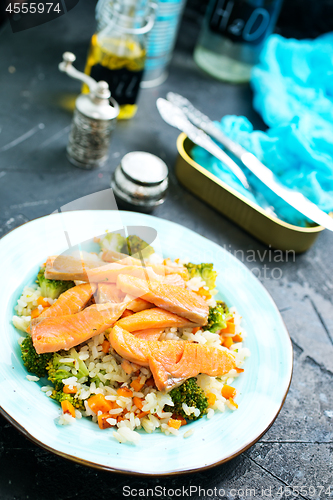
(248, 215)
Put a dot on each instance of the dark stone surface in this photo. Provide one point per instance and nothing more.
(36, 179)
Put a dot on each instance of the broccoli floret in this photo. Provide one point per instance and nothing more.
(134, 245)
(112, 241)
(34, 363)
(62, 396)
(192, 395)
(217, 317)
(56, 371)
(205, 271)
(52, 288)
(56, 375)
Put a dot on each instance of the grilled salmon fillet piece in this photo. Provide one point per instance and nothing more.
(175, 299)
(108, 292)
(56, 333)
(153, 318)
(68, 268)
(121, 258)
(149, 334)
(171, 361)
(137, 304)
(70, 302)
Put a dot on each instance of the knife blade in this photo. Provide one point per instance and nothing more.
(295, 199)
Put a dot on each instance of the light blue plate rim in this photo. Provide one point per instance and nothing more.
(270, 344)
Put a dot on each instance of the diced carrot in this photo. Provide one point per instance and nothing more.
(127, 312)
(142, 414)
(239, 370)
(231, 320)
(69, 389)
(196, 329)
(230, 328)
(106, 346)
(99, 403)
(181, 419)
(233, 403)
(211, 398)
(67, 407)
(125, 391)
(204, 293)
(228, 392)
(42, 302)
(114, 405)
(127, 367)
(28, 329)
(138, 402)
(237, 338)
(122, 416)
(150, 382)
(102, 420)
(227, 342)
(136, 384)
(35, 313)
(174, 423)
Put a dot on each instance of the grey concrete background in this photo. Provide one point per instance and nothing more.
(36, 179)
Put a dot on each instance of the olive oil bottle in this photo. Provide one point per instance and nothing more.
(117, 53)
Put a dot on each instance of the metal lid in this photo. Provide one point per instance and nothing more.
(144, 168)
(140, 181)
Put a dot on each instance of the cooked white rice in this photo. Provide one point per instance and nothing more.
(109, 375)
(25, 304)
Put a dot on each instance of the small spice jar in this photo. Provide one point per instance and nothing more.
(140, 181)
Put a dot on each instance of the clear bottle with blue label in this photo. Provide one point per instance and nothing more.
(232, 36)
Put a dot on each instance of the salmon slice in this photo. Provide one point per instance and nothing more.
(153, 318)
(70, 268)
(149, 334)
(137, 350)
(175, 299)
(171, 361)
(56, 333)
(109, 273)
(137, 305)
(121, 258)
(70, 302)
(174, 280)
(196, 359)
(108, 292)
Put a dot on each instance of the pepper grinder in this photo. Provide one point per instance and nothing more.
(94, 119)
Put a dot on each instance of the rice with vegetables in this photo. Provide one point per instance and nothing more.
(97, 379)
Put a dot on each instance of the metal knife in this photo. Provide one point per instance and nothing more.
(175, 117)
(293, 198)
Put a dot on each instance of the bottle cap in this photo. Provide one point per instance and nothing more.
(140, 181)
